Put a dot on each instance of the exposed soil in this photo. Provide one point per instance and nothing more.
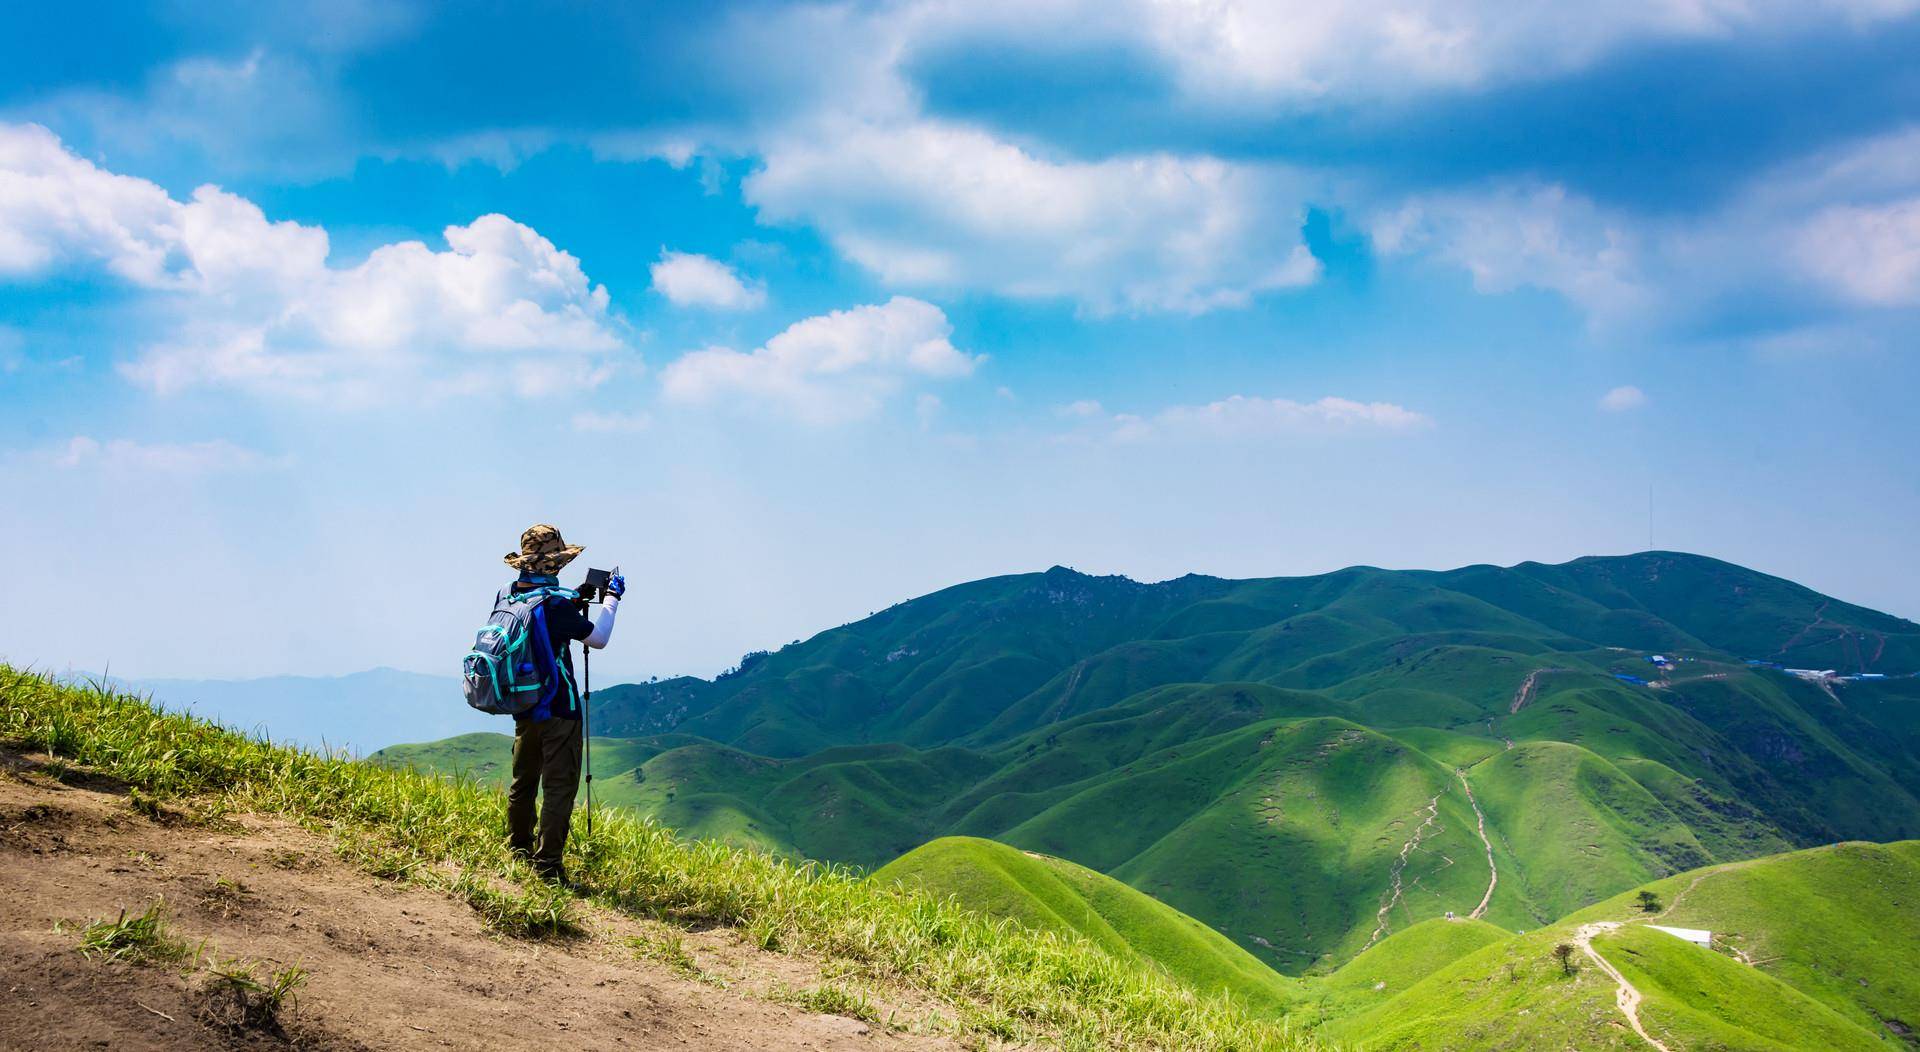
(391, 966)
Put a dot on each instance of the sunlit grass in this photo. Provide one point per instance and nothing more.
(1004, 981)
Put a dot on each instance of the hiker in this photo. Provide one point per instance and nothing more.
(547, 737)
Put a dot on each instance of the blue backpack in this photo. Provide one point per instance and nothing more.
(511, 667)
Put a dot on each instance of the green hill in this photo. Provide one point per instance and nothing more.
(1052, 894)
(1811, 949)
(1306, 765)
(1391, 966)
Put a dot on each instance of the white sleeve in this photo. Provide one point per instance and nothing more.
(603, 623)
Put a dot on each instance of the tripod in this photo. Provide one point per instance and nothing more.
(586, 728)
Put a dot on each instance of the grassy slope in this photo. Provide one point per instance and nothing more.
(1696, 998)
(1401, 960)
(1830, 931)
(1055, 895)
(1006, 982)
(1836, 923)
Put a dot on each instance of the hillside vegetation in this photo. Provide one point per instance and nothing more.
(1811, 949)
(1050, 894)
(1305, 765)
(1003, 980)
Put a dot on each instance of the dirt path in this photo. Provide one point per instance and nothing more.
(392, 966)
(1625, 996)
(1394, 887)
(1528, 687)
(1493, 870)
(1497, 734)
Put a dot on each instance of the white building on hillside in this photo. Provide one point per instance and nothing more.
(1692, 935)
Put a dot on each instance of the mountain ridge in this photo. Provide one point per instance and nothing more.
(1210, 741)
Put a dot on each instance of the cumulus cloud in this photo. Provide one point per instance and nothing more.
(253, 304)
(1870, 255)
(1813, 239)
(1623, 399)
(1241, 417)
(828, 368)
(932, 204)
(191, 458)
(1531, 235)
(689, 280)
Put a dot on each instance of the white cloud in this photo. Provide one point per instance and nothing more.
(1813, 238)
(1623, 399)
(931, 204)
(1084, 409)
(1240, 417)
(192, 458)
(689, 280)
(831, 367)
(1230, 53)
(593, 423)
(253, 304)
(1533, 235)
(1868, 254)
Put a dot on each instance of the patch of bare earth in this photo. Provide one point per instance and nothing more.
(390, 965)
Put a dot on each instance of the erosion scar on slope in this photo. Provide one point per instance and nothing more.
(1399, 867)
(1480, 821)
(1528, 686)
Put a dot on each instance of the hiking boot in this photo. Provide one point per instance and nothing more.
(552, 872)
(520, 852)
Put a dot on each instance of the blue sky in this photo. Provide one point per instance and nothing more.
(799, 310)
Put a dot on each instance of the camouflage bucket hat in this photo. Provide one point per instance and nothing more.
(542, 550)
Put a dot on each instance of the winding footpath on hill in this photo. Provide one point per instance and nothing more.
(1625, 995)
(1407, 849)
(1493, 869)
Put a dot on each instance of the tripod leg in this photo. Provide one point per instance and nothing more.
(586, 728)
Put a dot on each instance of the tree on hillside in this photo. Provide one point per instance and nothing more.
(1649, 902)
(1564, 954)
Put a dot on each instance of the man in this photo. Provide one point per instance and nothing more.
(547, 738)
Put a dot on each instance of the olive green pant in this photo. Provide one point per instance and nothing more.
(546, 760)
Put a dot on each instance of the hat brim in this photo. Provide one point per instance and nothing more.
(544, 562)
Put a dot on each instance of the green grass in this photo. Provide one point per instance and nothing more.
(1003, 980)
(1397, 962)
(1051, 894)
(1835, 923)
(1696, 998)
(1830, 933)
(144, 938)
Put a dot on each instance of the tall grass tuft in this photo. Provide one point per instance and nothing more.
(1004, 981)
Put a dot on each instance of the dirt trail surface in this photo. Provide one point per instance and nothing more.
(1394, 887)
(1493, 870)
(1528, 687)
(1624, 995)
(392, 966)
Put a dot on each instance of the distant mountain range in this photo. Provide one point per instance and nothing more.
(362, 712)
(1307, 765)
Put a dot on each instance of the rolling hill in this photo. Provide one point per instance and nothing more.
(1052, 894)
(1306, 765)
(1811, 949)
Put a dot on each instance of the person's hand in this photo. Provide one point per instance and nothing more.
(616, 586)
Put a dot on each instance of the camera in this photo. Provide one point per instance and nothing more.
(596, 583)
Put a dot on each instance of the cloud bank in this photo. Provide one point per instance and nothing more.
(253, 304)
